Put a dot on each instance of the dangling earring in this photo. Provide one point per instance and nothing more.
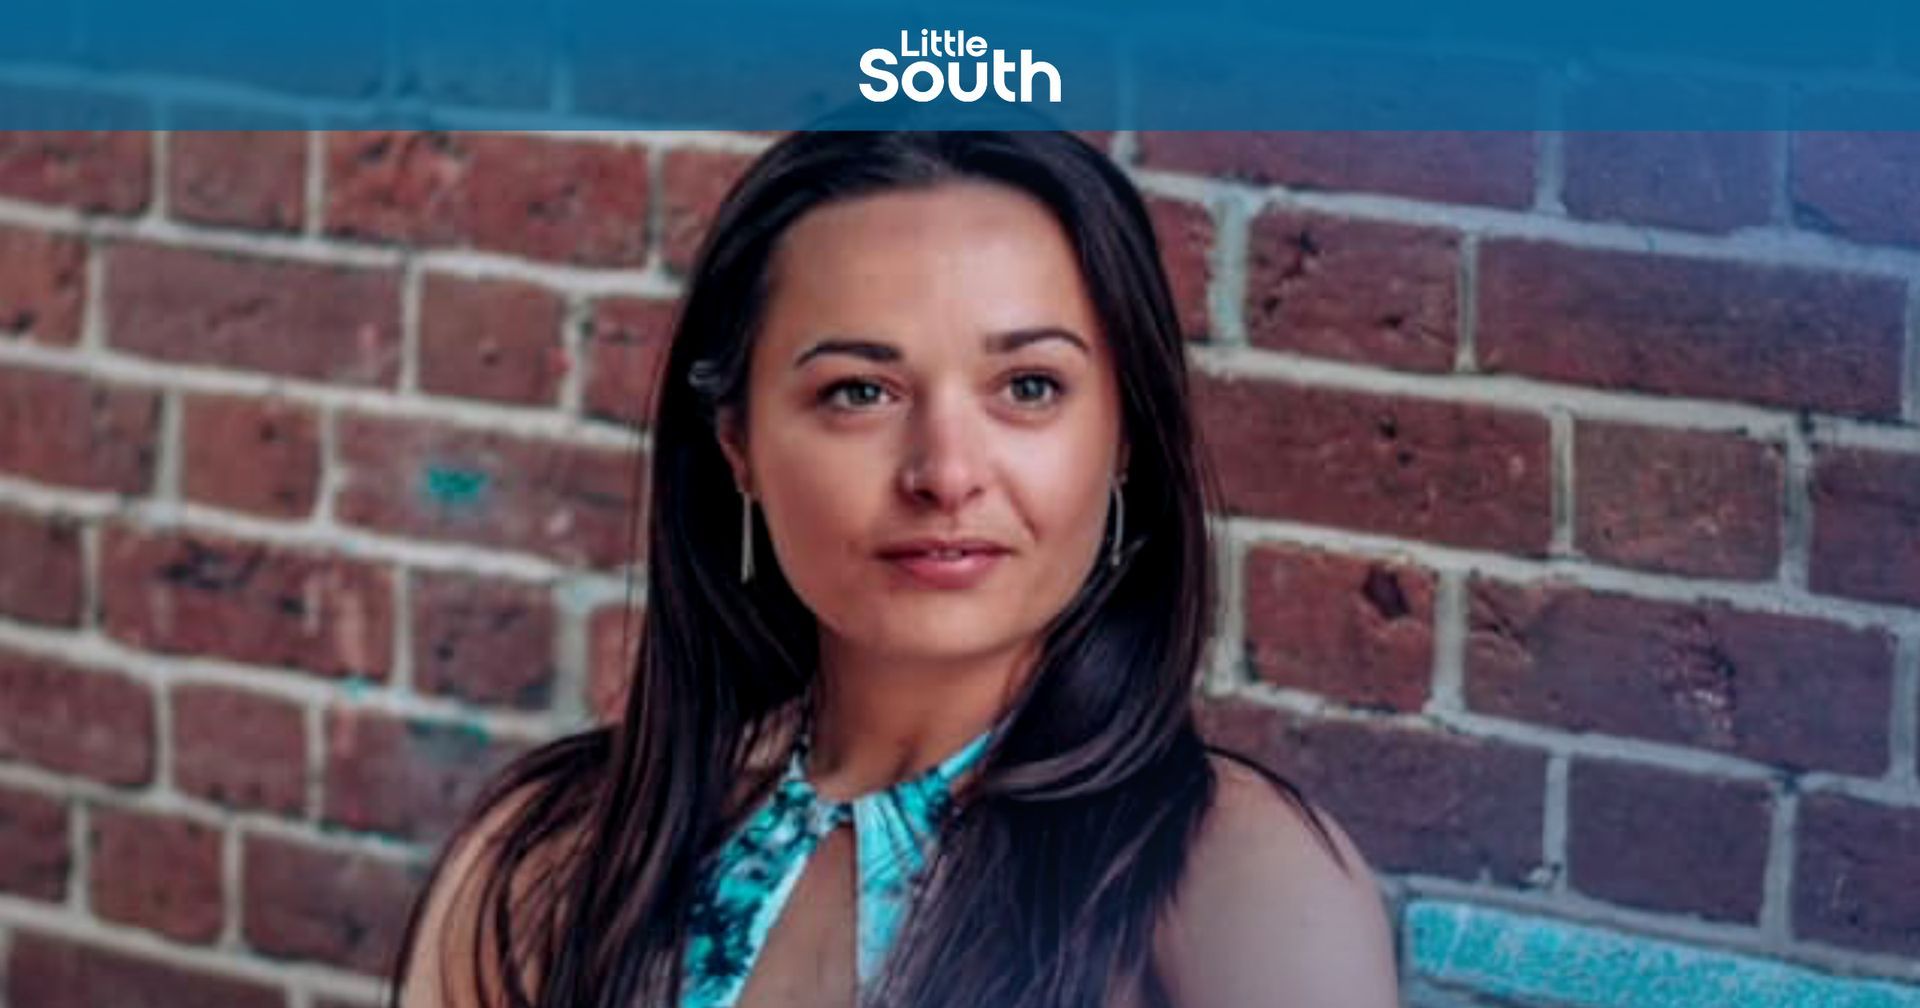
(1119, 525)
(746, 537)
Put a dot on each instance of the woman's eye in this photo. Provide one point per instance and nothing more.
(1037, 382)
(828, 394)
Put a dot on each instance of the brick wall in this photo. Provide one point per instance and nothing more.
(1571, 531)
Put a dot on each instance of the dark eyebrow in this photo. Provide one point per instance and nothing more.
(864, 349)
(1008, 342)
(884, 353)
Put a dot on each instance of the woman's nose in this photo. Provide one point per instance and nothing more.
(944, 451)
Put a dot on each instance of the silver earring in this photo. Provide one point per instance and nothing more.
(1119, 525)
(746, 537)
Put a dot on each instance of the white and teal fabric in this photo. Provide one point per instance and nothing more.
(747, 882)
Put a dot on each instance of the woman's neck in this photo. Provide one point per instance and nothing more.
(882, 719)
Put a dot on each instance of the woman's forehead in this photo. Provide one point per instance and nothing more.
(959, 259)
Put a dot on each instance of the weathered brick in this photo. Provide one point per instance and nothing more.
(107, 171)
(1856, 881)
(249, 178)
(482, 640)
(47, 972)
(626, 346)
(1866, 524)
(1447, 472)
(490, 339)
(345, 909)
(1774, 335)
(155, 871)
(1683, 502)
(40, 580)
(35, 848)
(1476, 167)
(1374, 292)
(75, 431)
(1864, 186)
(75, 720)
(203, 594)
(574, 201)
(408, 777)
(613, 636)
(692, 185)
(43, 282)
(1185, 234)
(1414, 801)
(257, 455)
(1660, 840)
(1790, 690)
(239, 748)
(571, 503)
(323, 322)
(1357, 630)
(1703, 180)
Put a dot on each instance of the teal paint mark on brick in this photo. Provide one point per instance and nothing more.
(1513, 955)
(451, 487)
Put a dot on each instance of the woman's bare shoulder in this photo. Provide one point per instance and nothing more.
(453, 934)
(1272, 910)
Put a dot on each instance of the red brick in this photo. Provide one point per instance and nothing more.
(613, 648)
(1864, 186)
(257, 455)
(247, 178)
(1359, 631)
(1661, 840)
(72, 430)
(580, 202)
(482, 640)
(157, 872)
(342, 908)
(35, 854)
(239, 748)
(43, 281)
(1446, 472)
(1682, 502)
(693, 183)
(1414, 801)
(1703, 180)
(490, 339)
(204, 594)
(47, 972)
(40, 580)
(1789, 690)
(75, 720)
(316, 321)
(1866, 525)
(1374, 292)
(1856, 881)
(1475, 167)
(1774, 335)
(406, 777)
(1185, 234)
(572, 503)
(626, 346)
(109, 171)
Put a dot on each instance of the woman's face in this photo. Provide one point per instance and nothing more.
(930, 366)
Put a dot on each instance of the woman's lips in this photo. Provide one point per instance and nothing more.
(935, 571)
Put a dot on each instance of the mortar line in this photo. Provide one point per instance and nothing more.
(1466, 278)
(1776, 903)
(1555, 823)
(1796, 509)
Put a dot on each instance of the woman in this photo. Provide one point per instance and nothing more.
(928, 585)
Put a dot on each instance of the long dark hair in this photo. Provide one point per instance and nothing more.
(1069, 843)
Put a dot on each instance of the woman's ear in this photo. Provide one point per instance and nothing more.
(733, 444)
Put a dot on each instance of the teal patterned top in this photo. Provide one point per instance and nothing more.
(747, 882)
